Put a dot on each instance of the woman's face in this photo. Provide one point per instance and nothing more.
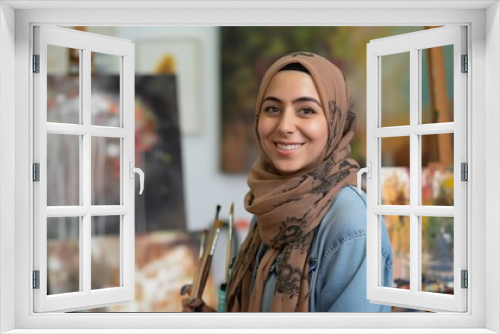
(292, 125)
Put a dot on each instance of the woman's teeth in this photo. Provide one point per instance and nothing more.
(288, 147)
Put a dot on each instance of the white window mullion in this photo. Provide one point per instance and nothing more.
(123, 165)
(108, 132)
(433, 129)
(373, 183)
(392, 131)
(86, 168)
(82, 128)
(80, 211)
(422, 129)
(414, 171)
(127, 231)
(68, 129)
(460, 155)
(108, 210)
(420, 210)
(40, 156)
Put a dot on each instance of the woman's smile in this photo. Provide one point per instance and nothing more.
(288, 147)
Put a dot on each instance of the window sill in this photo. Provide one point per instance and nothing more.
(262, 331)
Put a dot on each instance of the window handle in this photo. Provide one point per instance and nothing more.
(139, 171)
(368, 171)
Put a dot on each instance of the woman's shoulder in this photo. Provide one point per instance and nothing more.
(342, 228)
(344, 223)
(347, 214)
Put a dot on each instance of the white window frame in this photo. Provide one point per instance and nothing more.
(484, 103)
(414, 44)
(124, 50)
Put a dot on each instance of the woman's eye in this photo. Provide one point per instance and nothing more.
(307, 111)
(271, 109)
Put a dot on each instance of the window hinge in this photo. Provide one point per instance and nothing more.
(465, 64)
(464, 172)
(36, 279)
(465, 279)
(36, 63)
(36, 172)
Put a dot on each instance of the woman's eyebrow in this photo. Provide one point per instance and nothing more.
(297, 100)
(271, 98)
(307, 99)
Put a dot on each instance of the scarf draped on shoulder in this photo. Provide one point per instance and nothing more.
(288, 208)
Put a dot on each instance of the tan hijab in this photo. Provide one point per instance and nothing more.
(288, 208)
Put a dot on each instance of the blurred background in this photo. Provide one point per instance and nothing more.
(195, 89)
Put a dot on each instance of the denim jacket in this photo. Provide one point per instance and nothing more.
(337, 260)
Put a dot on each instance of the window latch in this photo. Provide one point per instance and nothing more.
(139, 171)
(368, 171)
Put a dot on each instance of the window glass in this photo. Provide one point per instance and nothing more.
(63, 255)
(63, 85)
(105, 252)
(105, 90)
(395, 171)
(395, 88)
(437, 84)
(63, 170)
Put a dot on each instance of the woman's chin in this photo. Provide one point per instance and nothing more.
(287, 169)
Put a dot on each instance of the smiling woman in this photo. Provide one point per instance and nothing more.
(292, 126)
(306, 250)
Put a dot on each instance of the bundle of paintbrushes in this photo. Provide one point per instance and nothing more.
(207, 249)
(229, 259)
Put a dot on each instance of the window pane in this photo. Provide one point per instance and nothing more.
(63, 170)
(63, 255)
(395, 171)
(105, 90)
(437, 254)
(398, 229)
(437, 84)
(105, 269)
(437, 170)
(63, 84)
(395, 86)
(106, 171)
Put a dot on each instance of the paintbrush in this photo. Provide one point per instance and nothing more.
(201, 273)
(224, 287)
(200, 256)
(229, 247)
(208, 262)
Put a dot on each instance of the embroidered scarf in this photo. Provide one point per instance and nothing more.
(288, 208)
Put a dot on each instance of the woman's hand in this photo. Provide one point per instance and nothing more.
(193, 304)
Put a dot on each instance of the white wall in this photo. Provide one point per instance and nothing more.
(205, 185)
(492, 145)
(7, 168)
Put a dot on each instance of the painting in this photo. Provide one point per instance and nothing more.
(180, 57)
(161, 239)
(247, 52)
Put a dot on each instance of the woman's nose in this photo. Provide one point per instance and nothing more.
(287, 122)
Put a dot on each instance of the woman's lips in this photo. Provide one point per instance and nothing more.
(287, 149)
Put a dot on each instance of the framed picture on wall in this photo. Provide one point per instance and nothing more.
(179, 56)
